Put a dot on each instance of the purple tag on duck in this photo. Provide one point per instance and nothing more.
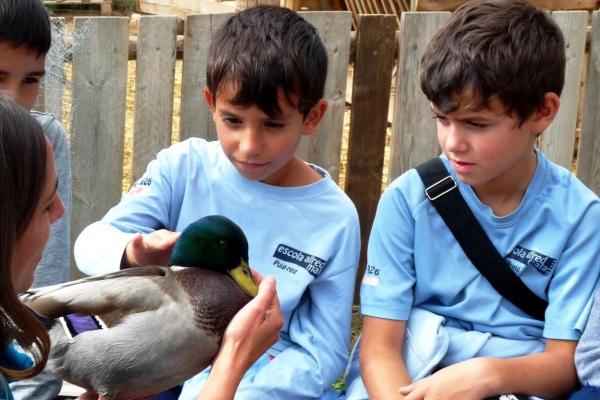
(78, 323)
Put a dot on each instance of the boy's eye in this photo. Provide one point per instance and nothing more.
(232, 120)
(441, 119)
(31, 80)
(477, 125)
(274, 125)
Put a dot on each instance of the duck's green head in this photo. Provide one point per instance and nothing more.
(216, 243)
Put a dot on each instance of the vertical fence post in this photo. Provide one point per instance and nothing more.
(155, 76)
(588, 165)
(375, 46)
(324, 147)
(558, 141)
(98, 121)
(413, 130)
(195, 119)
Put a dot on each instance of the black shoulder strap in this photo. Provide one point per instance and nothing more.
(443, 193)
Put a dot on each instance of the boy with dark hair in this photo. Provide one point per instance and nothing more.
(265, 75)
(25, 38)
(434, 326)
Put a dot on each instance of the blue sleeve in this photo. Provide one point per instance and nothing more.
(387, 286)
(147, 206)
(53, 268)
(320, 332)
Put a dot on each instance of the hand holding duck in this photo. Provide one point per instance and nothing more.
(163, 324)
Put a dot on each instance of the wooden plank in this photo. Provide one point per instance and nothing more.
(105, 5)
(558, 141)
(324, 147)
(98, 120)
(291, 4)
(376, 39)
(195, 117)
(243, 4)
(182, 8)
(155, 76)
(435, 5)
(106, 8)
(76, 1)
(566, 4)
(414, 138)
(588, 162)
(449, 5)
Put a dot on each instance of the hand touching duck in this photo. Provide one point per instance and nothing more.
(163, 324)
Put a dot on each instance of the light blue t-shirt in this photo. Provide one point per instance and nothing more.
(307, 237)
(550, 241)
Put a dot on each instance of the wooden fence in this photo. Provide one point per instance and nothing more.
(99, 84)
(105, 5)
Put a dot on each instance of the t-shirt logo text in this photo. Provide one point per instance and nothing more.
(541, 262)
(312, 264)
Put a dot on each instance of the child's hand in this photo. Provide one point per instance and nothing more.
(151, 249)
(90, 396)
(465, 381)
(254, 328)
(250, 333)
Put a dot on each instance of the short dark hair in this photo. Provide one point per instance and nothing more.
(507, 49)
(25, 23)
(262, 49)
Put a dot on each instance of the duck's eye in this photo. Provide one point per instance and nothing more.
(223, 243)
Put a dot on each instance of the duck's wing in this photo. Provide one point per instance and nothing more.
(112, 295)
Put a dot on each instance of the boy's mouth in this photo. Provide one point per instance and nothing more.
(462, 166)
(249, 165)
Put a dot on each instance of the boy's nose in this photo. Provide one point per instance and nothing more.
(251, 142)
(455, 141)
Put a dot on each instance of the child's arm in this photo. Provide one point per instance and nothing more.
(146, 210)
(549, 374)
(250, 333)
(382, 367)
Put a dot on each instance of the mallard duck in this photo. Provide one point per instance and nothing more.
(162, 325)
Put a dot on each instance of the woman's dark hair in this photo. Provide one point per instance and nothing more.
(22, 176)
(263, 49)
(507, 49)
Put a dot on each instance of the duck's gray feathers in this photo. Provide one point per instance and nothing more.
(159, 335)
(128, 291)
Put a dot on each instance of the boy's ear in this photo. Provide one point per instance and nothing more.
(314, 117)
(544, 115)
(210, 101)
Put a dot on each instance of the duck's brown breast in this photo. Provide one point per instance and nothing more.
(215, 297)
